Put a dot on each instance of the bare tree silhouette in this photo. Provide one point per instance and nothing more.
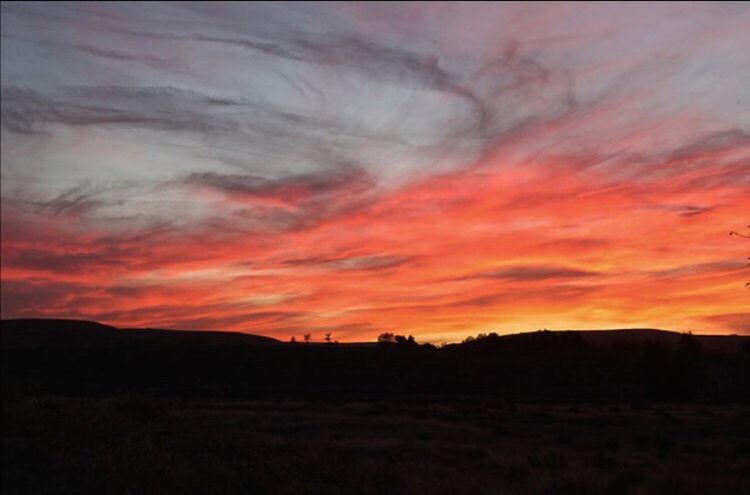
(746, 236)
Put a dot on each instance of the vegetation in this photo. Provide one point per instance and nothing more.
(582, 366)
(133, 444)
(627, 412)
(389, 338)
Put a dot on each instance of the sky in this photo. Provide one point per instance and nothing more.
(439, 170)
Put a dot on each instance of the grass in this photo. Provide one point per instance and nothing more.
(135, 445)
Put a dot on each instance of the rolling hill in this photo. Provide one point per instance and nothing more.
(87, 358)
(39, 332)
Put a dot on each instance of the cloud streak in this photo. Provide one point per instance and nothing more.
(438, 171)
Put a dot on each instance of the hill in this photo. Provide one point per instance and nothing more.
(86, 358)
(40, 332)
(627, 336)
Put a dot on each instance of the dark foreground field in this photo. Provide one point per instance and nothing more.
(130, 444)
(92, 409)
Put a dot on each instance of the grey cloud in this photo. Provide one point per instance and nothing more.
(714, 267)
(56, 252)
(503, 97)
(692, 210)
(40, 297)
(498, 101)
(293, 188)
(75, 202)
(373, 59)
(43, 298)
(532, 274)
(683, 210)
(149, 233)
(486, 96)
(25, 111)
(353, 263)
(712, 142)
(295, 202)
(123, 56)
(38, 259)
(248, 133)
(709, 160)
(131, 291)
(101, 52)
(578, 243)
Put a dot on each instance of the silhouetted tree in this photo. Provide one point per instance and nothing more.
(328, 338)
(307, 337)
(389, 338)
(747, 284)
(292, 340)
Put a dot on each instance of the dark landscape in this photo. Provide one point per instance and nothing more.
(375, 248)
(88, 408)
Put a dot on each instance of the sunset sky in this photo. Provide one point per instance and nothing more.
(430, 169)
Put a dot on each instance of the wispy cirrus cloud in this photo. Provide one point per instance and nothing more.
(733, 322)
(532, 273)
(436, 169)
(291, 190)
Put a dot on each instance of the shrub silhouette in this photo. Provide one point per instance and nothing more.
(389, 338)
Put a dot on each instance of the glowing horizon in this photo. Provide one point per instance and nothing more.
(438, 170)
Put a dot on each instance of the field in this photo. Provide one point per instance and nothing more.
(420, 445)
(94, 409)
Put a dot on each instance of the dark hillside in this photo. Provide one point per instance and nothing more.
(93, 409)
(31, 333)
(82, 358)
